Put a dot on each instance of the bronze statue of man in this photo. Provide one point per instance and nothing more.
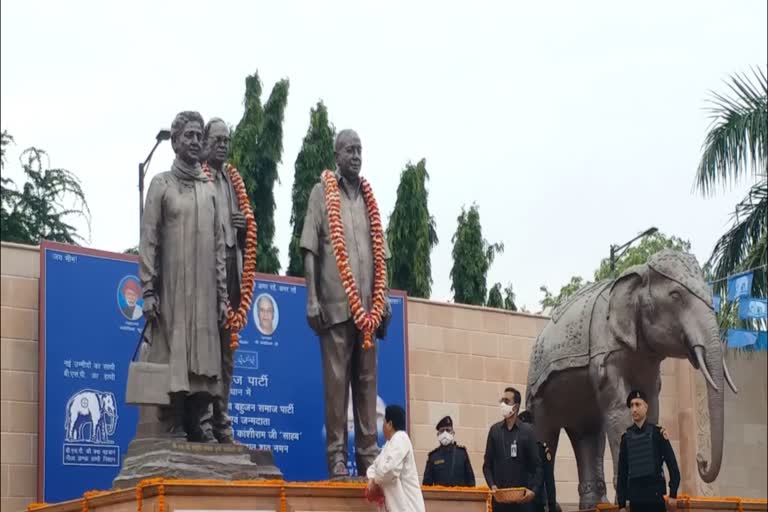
(345, 362)
(217, 425)
(183, 276)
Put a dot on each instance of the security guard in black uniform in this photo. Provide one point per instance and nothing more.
(546, 491)
(644, 447)
(449, 463)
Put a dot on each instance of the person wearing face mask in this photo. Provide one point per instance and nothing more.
(448, 464)
(512, 455)
(644, 448)
(546, 491)
(394, 469)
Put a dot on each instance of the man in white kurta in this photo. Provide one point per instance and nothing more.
(394, 470)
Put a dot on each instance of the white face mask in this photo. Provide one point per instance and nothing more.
(445, 438)
(506, 410)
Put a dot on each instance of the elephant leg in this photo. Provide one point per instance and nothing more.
(589, 448)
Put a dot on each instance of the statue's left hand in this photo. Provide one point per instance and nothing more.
(238, 220)
(222, 313)
(381, 332)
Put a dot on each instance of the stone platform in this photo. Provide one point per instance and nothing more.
(163, 457)
(161, 495)
(261, 496)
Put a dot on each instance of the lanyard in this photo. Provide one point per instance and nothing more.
(508, 446)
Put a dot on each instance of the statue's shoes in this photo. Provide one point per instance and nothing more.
(339, 470)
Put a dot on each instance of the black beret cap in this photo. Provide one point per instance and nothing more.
(445, 422)
(636, 393)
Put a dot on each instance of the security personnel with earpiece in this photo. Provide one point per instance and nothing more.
(546, 492)
(644, 448)
(449, 463)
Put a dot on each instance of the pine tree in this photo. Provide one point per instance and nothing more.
(315, 156)
(472, 257)
(411, 234)
(257, 148)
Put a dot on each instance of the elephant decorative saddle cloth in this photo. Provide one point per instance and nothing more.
(564, 342)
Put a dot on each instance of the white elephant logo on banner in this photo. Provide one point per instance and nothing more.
(91, 417)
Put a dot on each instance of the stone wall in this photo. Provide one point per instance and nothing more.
(19, 273)
(460, 360)
(745, 459)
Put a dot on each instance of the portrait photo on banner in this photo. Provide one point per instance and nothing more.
(129, 299)
(266, 314)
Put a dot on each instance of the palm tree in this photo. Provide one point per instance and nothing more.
(736, 147)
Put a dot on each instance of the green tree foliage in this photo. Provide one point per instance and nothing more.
(41, 209)
(257, 148)
(639, 254)
(316, 155)
(472, 257)
(736, 148)
(566, 291)
(499, 301)
(635, 255)
(412, 234)
(495, 300)
(509, 298)
(132, 250)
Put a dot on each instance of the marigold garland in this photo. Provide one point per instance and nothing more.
(236, 320)
(683, 500)
(367, 322)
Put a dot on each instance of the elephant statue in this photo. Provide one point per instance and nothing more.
(611, 337)
(96, 410)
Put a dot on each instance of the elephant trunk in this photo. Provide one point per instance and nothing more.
(709, 356)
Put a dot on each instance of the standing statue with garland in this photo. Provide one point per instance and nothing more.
(345, 263)
(239, 229)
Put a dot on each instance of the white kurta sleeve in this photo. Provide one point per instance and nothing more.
(389, 464)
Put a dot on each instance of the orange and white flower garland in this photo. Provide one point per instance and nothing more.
(367, 322)
(236, 320)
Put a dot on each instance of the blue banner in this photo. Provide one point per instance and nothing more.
(740, 285)
(751, 308)
(739, 338)
(90, 323)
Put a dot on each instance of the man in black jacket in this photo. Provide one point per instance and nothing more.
(546, 491)
(449, 463)
(644, 448)
(511, 455)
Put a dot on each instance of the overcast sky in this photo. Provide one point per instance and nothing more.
(573, 125)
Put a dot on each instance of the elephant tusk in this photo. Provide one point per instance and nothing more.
(699, 350)
(728, 378)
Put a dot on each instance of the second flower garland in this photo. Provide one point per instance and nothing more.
(236, 320)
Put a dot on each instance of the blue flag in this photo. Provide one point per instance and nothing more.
(752, 308)
(738, 338)
(740, 285)
(762, 341)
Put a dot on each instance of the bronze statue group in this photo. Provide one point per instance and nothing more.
(191, 267)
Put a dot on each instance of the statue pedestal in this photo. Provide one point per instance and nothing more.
(163, 457)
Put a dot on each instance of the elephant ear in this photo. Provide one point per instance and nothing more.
(624, 305)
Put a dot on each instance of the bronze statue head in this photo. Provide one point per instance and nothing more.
(216, 139)
(349, 154)
(187, 136)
